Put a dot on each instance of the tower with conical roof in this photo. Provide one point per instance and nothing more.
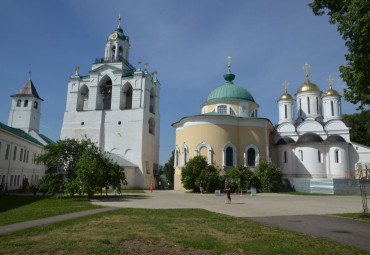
(331, 103)
(25, 111)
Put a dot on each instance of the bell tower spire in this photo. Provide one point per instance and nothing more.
(118, 45)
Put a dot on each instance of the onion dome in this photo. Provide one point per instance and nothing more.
(286, 95)
(229, 91)
(285, 140)
(309, 138)
(118, 33)
(331, 91)
(335, 138)
(308, 86)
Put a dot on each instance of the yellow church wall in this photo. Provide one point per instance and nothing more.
(217, 136)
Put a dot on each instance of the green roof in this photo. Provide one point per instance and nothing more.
(120, 34)
(20, 133)
(229, 91)
(46, 139)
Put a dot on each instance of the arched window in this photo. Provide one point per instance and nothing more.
(251, 154)
(229, 156)
(285, 157)
(25, 103)
(83, 98)
(19, 102)
(222, 109)
(120, 51)
(301, 155)
(152, 101)
(185, 154)
(35, 104)
(176, 159)
(336, 156)
(126, 97)
(151, 123)
(308, 105)
(300, 108)
(332, 108)
(319, 156)
(286, 111)
(317, 105)
(205, 150)
(113, 53)
(232, 112)
(106, 92)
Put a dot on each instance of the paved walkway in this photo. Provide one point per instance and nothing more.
(35, 223)
(306, 214)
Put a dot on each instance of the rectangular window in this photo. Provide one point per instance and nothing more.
(308, 105)
(155, 169)
(15, 153)
(21, 155)
(24, 156)
(7, 151)
(336, 155)
(28, 152)
(222, 109)
(319, 156)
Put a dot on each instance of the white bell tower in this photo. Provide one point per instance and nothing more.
(25, 111)
(286, 106)
(332, 103)
(117, 45)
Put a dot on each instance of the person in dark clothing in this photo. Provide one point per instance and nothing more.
(228, 191)
(201, 186)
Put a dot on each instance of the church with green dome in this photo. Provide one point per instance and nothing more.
(313, 150)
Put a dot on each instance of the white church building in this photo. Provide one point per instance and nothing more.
(117, 106)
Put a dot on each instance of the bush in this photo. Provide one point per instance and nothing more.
(269, 176)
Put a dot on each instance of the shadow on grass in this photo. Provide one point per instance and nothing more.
(118, 198)
(14, 201)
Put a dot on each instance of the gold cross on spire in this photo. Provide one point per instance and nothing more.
(330, 79)
(306, 67)
(285, 84)
(228, 63)
(119, 20)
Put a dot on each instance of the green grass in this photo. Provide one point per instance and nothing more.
(356, 216)
(176, 231)
(14, 209)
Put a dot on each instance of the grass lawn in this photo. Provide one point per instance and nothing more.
(176, 231)
(14, 209)
(356, 216)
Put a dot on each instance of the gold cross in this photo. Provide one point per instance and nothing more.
(119, 20)
(330, 79)
(77, 68)
(306, 67)
(285, 84)
(228, 64)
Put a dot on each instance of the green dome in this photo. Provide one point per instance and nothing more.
(229, 91)
(119, 33)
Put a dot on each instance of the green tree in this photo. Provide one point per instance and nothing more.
(52, 183)
(269, 176)
(353, 18)
(211, 178)
(169, 170)
(190, 174)
(242, 173)
(81, 165)
(360, 127)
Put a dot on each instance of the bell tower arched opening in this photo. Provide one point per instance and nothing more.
(105, 90)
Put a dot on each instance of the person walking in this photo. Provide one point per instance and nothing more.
(228, 191)
(201, 186)
(151, 187)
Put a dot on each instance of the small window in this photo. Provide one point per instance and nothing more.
(15, 152)
(147, 167)
(176, 158)
(222, 109)
(21, 155)
(336, 156)
(286, 111)
(19, 102)
(151, 123)
(35, 104)
(308, 105)
(119, 122)
(317, 105)
(332, 108)
(25, 103)
(28, 152)
(7, 151)
(301, 155)
(319, 156)
(285, 157)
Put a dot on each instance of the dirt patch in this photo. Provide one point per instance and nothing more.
(160, 247)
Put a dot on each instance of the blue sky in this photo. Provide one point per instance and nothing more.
(187, 42)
